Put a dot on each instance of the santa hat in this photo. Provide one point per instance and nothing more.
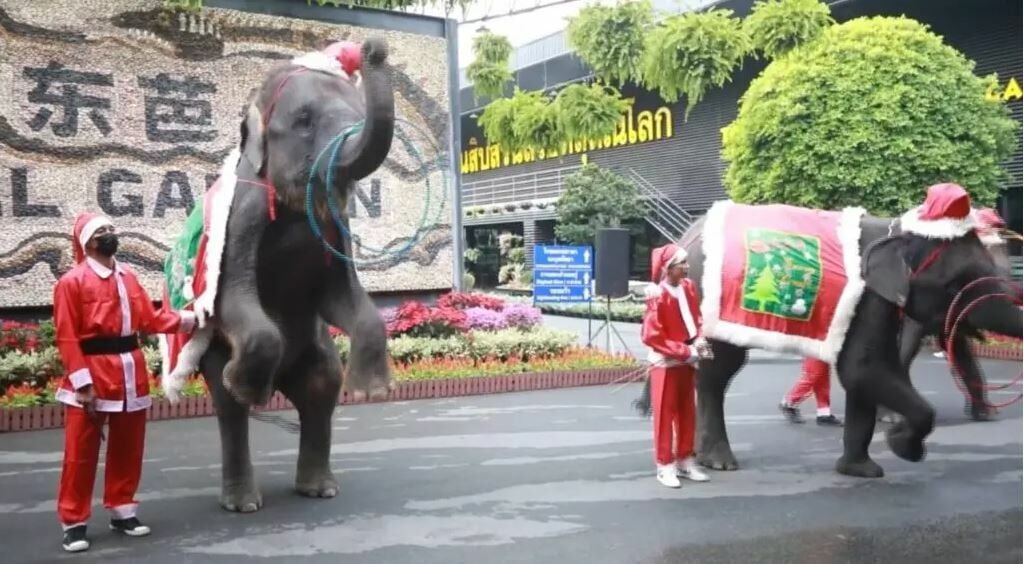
(663, 258)
(342, 58)
(86, 224)
(945, 214)
(989, 225)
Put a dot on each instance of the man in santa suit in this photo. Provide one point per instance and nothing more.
(671, 330)
(816, 378)
(99, 310)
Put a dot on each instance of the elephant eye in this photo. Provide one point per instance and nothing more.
(304, 118)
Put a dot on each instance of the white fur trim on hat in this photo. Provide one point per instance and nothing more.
(320, 62)
(991, 239)
(91, 227)
(936, 229)
(679, 256)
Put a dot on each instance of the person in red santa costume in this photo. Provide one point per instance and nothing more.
(99, 310)
(671, 330)
(816, 378)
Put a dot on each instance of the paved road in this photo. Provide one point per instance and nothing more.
(554, 476)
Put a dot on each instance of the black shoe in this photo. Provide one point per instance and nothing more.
(791, 413)
(130, 526)
(74, 539)
(830, 420)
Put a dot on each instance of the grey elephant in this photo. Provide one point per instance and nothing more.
(906, 275)
(912, 335)
(272, 284)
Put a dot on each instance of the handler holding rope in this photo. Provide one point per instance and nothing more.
(671, 330)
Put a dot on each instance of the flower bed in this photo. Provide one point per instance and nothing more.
(465, 344)
(629, 310)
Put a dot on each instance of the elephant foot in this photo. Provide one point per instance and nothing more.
(865, 468)
(324, 486)
(241, 499)
(375, 388)
(718, 457)
(904, 443)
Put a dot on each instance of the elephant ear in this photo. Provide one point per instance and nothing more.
(254, 140)
(886, 272)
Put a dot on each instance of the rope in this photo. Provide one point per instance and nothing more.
(381, 255)
(951, 326)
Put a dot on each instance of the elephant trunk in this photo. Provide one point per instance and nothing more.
(997, 316)
(370, 146)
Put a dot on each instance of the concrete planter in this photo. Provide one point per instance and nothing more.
(52, 416)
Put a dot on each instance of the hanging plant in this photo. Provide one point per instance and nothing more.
(589, 112)
(692, 52)
(777, 26)
(527, 120)
(610, 40)
(489, 70)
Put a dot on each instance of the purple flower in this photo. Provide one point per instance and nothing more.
(389, 314)
(484, 319)
(521, 316)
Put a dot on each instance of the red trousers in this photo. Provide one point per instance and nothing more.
(125, 444)
(674, 403)
(815, 377)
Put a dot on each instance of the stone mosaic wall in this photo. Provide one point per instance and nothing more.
(126, 109)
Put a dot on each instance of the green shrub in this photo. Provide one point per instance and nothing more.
(869, 114)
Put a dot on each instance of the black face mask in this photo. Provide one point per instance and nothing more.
(106, 244)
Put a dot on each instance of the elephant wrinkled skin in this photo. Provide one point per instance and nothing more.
(870, 365)
(279, 290)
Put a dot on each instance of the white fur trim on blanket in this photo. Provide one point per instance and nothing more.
(939, 228)
(187, 365)
(320, 62)
(848, 232)
(221, 209)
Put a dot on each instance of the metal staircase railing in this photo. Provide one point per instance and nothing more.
(667, 217)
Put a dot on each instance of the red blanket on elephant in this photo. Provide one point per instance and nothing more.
(781, 278)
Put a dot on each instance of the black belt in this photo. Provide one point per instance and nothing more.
(110, 345)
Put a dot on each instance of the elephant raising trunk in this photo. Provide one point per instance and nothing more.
(276, 290)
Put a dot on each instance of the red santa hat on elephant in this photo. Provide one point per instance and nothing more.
(663, 258)
(343, 58)
(86, 225)
(945, 214)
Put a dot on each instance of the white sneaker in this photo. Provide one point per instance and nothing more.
(667, 476)
(689, 469)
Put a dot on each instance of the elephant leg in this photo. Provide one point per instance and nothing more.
(976, 404)
(313, 390)
(860, 427)
(712, 381)
(348, 306)
(257, 346)
(912, 336)
(891, 387)
(238, 485)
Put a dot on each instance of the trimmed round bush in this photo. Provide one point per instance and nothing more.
(868, 114)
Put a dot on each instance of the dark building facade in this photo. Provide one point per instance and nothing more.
(680, 158)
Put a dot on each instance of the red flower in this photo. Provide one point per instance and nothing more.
(466, 300)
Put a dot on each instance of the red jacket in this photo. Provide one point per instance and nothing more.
(89, 302)
(669, 323)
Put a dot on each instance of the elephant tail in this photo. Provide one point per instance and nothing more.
(642, 404)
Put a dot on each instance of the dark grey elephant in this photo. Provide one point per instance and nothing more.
(912, 335)
(279, 290)
(869, 364)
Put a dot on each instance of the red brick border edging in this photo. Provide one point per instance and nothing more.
(52, 416)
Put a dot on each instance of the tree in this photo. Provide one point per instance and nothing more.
(765, 291)
(594, 198)
(868, 114)
(779, 26)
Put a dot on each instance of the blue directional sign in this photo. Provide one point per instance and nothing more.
(562, 273)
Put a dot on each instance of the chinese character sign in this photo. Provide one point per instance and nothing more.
(129, 110)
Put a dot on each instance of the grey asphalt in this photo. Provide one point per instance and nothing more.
(554, 476)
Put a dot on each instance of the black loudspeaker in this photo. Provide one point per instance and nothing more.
(611, 274)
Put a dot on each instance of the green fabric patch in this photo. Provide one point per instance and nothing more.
(783, 275)
(181, 260)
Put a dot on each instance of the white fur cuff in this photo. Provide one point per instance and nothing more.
(652, 290)
(80, 378)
